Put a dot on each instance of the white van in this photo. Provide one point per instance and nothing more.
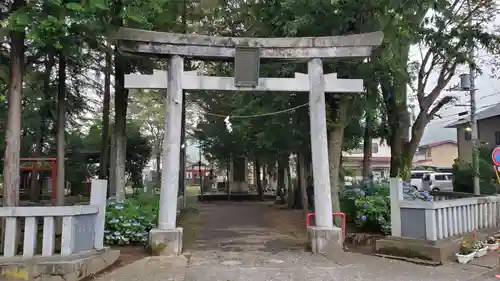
(416, 179)
(437, 182)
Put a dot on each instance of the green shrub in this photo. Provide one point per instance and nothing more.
(368, 207)
(129, 222)
(463, 174)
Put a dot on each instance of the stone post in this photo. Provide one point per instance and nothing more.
(167, 239)
(98, 190)
(396, 196)
(323, 237)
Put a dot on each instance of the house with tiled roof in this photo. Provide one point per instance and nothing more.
(438, 154)
(488, 130)
(381, 160)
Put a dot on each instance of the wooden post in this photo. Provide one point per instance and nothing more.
(319, 146)
(171, 145)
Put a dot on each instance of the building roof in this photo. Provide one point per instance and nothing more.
(437, 143)
(360, 158)
(489, 112)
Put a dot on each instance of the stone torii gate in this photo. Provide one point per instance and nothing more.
(324, 237)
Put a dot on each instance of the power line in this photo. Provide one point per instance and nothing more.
(483, 97)
(256, 115)
(479, 108)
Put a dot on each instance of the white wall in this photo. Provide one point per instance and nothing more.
(384, 150)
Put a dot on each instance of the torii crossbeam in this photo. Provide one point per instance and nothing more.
(247, 54)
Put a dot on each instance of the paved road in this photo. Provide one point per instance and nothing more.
(264, 266)
(240, 242)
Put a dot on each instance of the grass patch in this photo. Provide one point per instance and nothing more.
(192, 190)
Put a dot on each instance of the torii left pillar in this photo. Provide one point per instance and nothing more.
(166, 239)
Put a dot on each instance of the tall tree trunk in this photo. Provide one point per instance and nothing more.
(44, 113)
(395, 96)
(182, 154)
(158, 170)
(264, 177)
(258, 181)
(291, 191)
(104, 155)
(398, 126)
(281, 180)
(335, 141)
(60, 133)
(121, 102)
(35, 183)
(371, 102)
(11, 173)
(367, 147)
(302, 180)
(112, 168)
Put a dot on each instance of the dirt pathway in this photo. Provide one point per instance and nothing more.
(252, 226)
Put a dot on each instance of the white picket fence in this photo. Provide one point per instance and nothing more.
(82, 226)
(441, 219)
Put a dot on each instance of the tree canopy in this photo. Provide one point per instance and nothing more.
(64, 50)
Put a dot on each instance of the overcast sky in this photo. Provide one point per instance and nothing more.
(488, 93)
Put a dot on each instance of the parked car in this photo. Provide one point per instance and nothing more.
(437, 182)
(416, 178)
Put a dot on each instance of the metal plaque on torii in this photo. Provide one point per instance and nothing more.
(246, 66)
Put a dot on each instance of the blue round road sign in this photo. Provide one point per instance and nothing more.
(495, 156)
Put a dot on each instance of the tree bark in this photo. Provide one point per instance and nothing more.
(258, 181)
(35, 183)
(44, 113)
(121, 102)
(112, 168)
(264, 177)
(280, 190)
(291, 191)
(182, 154)
(11, 168)
(104, 155)
(158, 169)
(301, 165)
(335, 141)
(367, 148)
(60, 138)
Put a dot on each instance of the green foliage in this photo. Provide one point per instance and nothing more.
(463, 174)
(129, 222)
(368, 207)
(138, 154)
(138, 150)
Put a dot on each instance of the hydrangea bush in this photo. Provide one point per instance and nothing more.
(129, 222)
(368, 206)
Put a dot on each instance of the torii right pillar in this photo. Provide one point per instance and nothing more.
(323, 237)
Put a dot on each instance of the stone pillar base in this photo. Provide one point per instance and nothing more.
(325, 241)
(165, 242)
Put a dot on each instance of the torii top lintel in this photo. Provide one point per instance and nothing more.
(137, 41)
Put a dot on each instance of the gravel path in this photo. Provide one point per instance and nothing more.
(239, 241)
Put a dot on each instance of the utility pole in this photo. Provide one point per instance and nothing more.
(472, 91)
